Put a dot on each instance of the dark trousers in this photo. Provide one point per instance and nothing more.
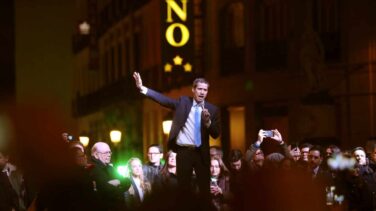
(187, 160)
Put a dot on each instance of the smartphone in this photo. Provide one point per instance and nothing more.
(268, 133)
(213, 182)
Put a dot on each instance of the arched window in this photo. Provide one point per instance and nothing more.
(232, 38)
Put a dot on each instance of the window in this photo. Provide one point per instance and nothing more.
(326, 15)
(127, 57)
(232, 38)
(137, 51)
(120, 60)
(271, 34)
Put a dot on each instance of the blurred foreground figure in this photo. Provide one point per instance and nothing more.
(34, 143)
(12, 189)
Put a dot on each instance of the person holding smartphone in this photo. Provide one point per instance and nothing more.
(255, 156)
(220, 184)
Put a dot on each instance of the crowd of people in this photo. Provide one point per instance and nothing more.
(40, 173)
(292, 177)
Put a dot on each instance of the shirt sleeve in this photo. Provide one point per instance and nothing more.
(144, 90)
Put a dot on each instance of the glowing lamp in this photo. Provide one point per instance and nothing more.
(84, 140)
(115, 136)
(166, 125)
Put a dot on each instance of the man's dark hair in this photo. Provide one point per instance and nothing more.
(317, 148)
(294, 145)
(157, 146)
(358, 148)
(235, 155)
(218, 150)
(305, 145)
(199, 80)
(335, 149)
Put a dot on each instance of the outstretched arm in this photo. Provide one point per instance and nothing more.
(255, 146)
(154, 95)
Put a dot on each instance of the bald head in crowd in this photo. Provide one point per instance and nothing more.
(102, 152)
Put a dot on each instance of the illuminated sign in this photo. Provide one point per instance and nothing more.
(177, 43)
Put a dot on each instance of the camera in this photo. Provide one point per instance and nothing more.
(70, 138)
(268, 133)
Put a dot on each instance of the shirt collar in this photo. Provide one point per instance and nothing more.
(199, 104)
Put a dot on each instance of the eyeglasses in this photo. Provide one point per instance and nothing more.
(106, 153)
(154, 153)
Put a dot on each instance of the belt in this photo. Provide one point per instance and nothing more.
(187, 147)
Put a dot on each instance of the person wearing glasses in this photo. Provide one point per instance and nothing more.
(109, 186)
(152, 169)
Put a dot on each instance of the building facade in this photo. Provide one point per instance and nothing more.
(305, 68)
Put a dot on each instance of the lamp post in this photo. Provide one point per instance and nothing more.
(115, 136)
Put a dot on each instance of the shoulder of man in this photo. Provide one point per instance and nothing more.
(210, 106)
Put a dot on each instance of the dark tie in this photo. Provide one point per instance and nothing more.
(197, 126)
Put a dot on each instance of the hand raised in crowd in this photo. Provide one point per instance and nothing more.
(277, 136)
(260, 137)
(137, 79)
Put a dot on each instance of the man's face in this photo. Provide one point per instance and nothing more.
(3, 161)
(103, 153)
(314, 158)
(154, 155)
(360, 157)
(215, 170)
(136, 168)
(305, 152)
(200, 92)
(236, 165)
(213, 152)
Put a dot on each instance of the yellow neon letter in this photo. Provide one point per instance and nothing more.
(180, 12)
(170, 34)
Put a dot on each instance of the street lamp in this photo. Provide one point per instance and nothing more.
(166, 125)
(84, 140)
(115, 136)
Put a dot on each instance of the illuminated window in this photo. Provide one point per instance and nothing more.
(237, 127)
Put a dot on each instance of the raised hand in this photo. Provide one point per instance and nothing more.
(261, 135)
(137, 79)
(277, 136)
